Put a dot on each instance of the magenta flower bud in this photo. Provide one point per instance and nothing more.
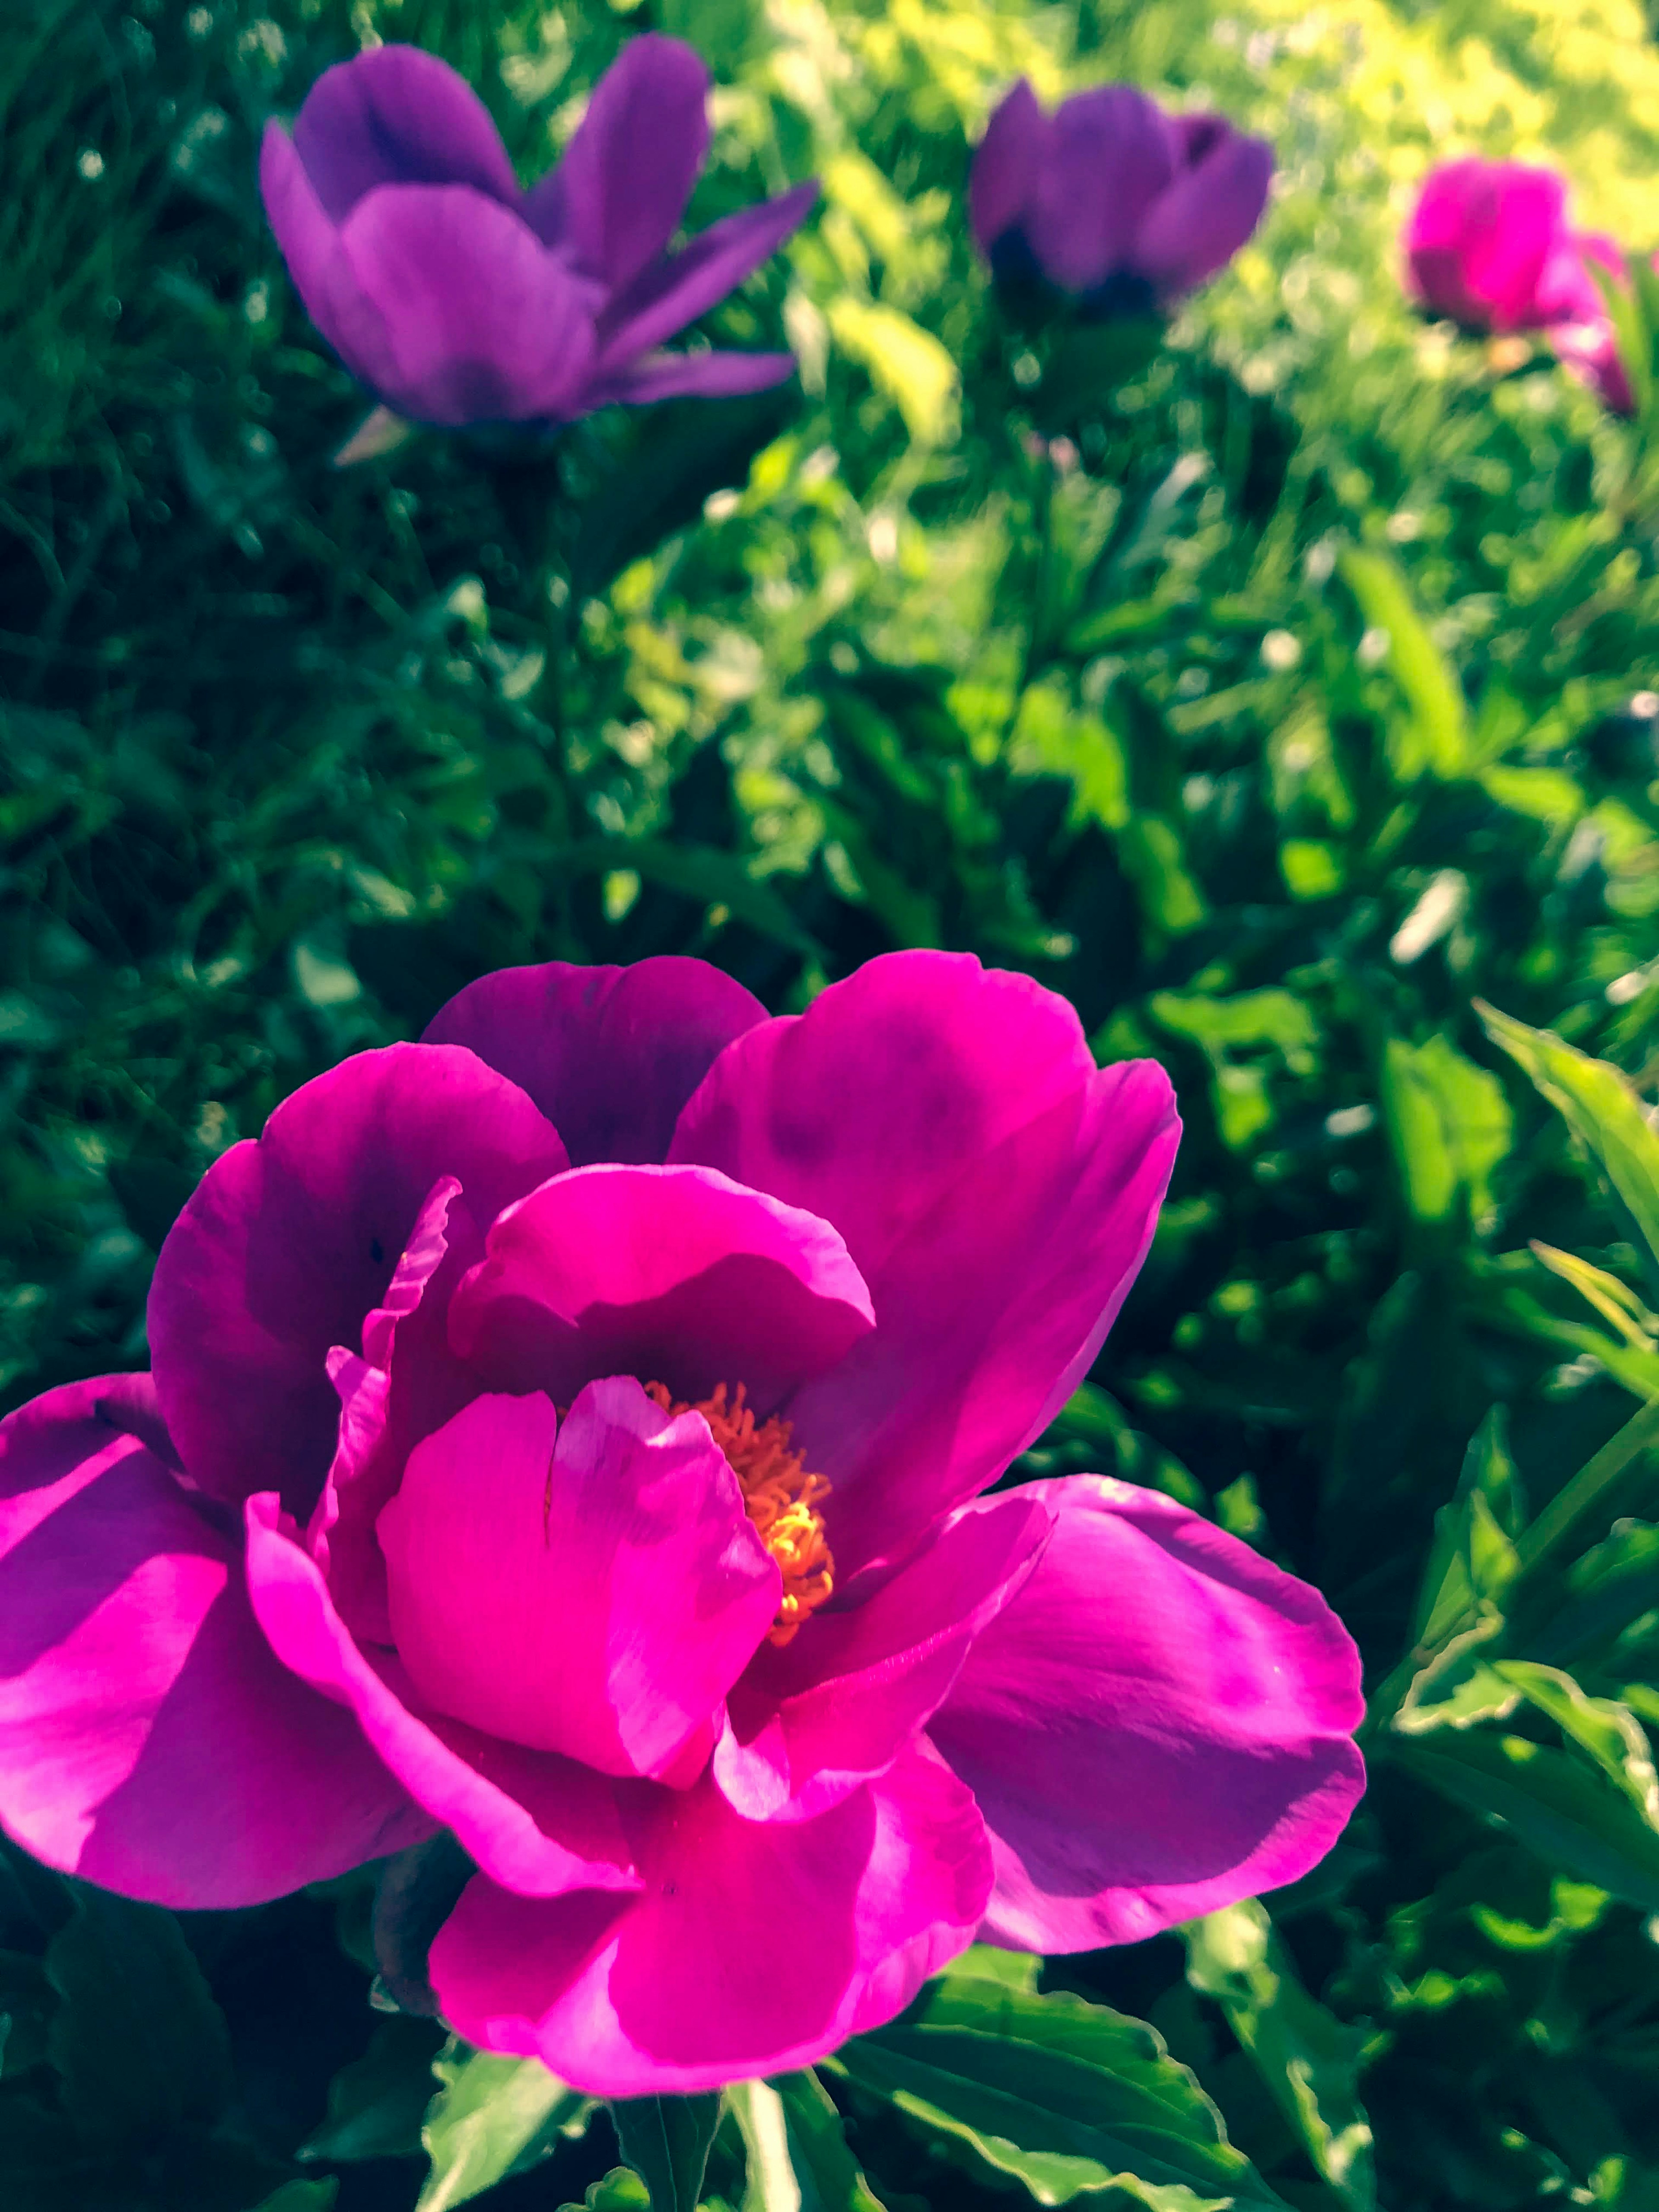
(459, 299)
(578, 1432)
(1110, 200)
(1488, 244)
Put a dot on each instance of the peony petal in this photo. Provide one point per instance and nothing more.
(599, 1597)
(149, 1739)
(691, 376)
(673, 1274)
(483, 325)
(1158, 1725)
(996, 1190)
(318, 262)
(812, 1721)
(1111, 154)
(673, 292)
(610, 1055)
(1197, 226)
(398, 116)
(289, 1242)
(614, 199)
(540, 1824)
(1006, 165)
(753, 1947)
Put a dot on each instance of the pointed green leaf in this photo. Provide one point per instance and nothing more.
(1439, 736)
(666, 2140)
(377, 2105)
(492, 2116)
(828, 2175)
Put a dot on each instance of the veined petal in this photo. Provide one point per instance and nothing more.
(673, 292)
(596, 1596)
(289, 1241)
(674, 1275)
(614, 199)
(755, 1946)
(610, 1055)
(483, 325)
(1158, 1725)
(396, 115)
(149, 1740)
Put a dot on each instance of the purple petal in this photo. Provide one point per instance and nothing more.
(318, 262)
(996, 1192)
(1197, 226)
(398, 116)
(691, 376)
(674, 292)
(541, 1824)
(673, 1274)
(755, 1946)
(610, 1055)
(288, 1244)
(1158, 1725)
(1007, 165)
(149, 1739)
(810, 1722)
(616, 198)
(598, 1597)
(1111, 154)
(483, 323)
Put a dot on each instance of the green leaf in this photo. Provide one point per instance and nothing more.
(377, 2105)
(1440, 735)
(1570, 1816)
(302, 2196)
(907, 362)
(702, 872)
(828, 2175)
(140, 2045)
(493, 2115)
(619, 2190)
(1600, 1108)
(1308, 2059)
(1609, 1731)
(1063, 2096)
(666, 2140)
(1474, 1555)
(1450, 1124)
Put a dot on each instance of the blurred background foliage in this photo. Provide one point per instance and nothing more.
(1284, 696)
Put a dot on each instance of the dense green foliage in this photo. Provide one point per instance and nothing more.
(1284, 693)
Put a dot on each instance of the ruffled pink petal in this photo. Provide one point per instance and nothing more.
(674, 291)
(598, 1597)
(1158, 1725)
(610, 1055)
(396, 115)
(540, 1824)
(149, 1739)
(812, 1720)
(289, 1242)
(755, 1946)
(673, 1274)
(1006, 165)
(614, 199)
(996, 1191)
(483, 323)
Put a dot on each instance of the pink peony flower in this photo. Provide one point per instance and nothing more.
(572, 1431)
(1488, 244)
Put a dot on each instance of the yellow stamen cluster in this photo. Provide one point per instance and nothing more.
(781, 1498)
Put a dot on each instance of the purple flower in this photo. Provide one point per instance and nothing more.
(572, 1432)
(459, 299)
(1488, 244)
(1112, 201)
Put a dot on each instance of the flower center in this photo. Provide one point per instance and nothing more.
(779, 1497)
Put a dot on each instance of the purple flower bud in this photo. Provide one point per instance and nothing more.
(1112, 201)
(460, 300)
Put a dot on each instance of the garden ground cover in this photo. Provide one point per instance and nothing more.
(1302, 701)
